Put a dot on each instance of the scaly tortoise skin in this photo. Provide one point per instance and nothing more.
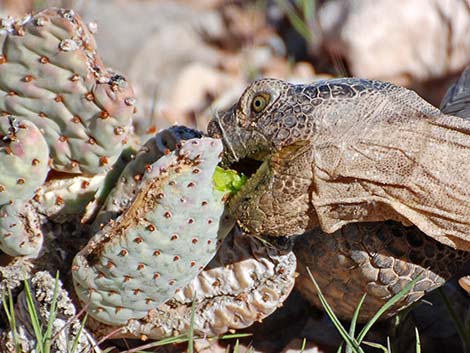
(343, 151)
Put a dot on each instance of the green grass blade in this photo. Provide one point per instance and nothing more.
(352, 328)
(237, 346)
(52, 316)
(308, 10)
(304, 344)
(107, 350)
(297, 22)
(79, 333)
(33, 315)
(232, 336)
(376, 345)
(341, 330)
(392, 301)
(418, 341)
(191, 327)
(181, 339)
(70, 321)
(10, 313)
(163, 342)
(8, 308)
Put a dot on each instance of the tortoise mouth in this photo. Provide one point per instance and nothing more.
(247, 166)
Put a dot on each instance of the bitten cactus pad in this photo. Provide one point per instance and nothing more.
(245, 282)
(170, 231)
(51, 75)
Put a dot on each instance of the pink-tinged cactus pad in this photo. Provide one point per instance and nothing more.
(23, 159)
(51, 75)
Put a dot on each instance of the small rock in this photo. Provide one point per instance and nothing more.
(417, 40)
(464, 282)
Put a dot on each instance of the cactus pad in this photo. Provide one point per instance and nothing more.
(20, 230)
(51, 75)
(124, 190)
(245, 282)
(23, 159)
(168, 234)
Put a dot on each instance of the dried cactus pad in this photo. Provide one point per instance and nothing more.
(51, 75)
(170, 231)
(64, 198)
(20, 230)
(23, 159)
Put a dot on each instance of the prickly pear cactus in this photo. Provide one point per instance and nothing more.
(60, 108)
(169, 232)
(51, 75)
(23, 167)
(24, 157)
(246, 281)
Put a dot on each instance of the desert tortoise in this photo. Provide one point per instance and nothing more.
(341, 152)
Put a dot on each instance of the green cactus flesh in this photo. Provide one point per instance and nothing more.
(20, 230)
(51, 75)
(169, 232)
(23, 159)
(228, 180)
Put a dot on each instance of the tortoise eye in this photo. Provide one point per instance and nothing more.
(260, 102)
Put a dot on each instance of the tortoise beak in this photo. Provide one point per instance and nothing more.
(217, 128)
(214, 128)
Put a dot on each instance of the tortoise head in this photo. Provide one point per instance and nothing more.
(260, 140)
(252, 127)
